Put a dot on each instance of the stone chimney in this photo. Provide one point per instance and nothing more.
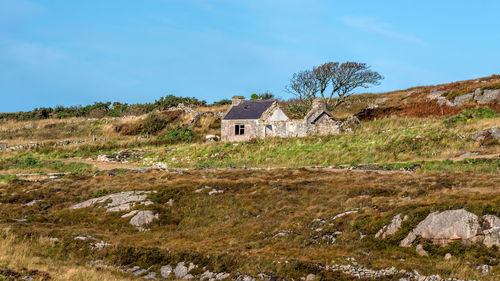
(237, 100)
(317, 104)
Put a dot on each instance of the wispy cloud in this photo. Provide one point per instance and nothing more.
(372, 25)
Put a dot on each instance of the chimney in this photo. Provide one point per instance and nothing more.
(237, 100)
(318, 104)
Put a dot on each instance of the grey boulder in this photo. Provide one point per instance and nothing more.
(444, 227)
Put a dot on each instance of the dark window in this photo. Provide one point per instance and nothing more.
(239, 129)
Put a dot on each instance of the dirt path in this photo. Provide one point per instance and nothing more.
(106, 166)
(485, 156)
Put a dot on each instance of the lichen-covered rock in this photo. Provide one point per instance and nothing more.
(165, 271)
(420, 251)
(391, 228)
(180, 270)
(492, 237)
(491, 220)
(488, 96)
(116, 202)
(444, 227)
(491, 133)
(142, 218)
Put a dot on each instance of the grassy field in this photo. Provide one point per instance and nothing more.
(274, 212)
(236, 231)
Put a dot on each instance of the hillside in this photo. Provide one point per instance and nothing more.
(147, 196)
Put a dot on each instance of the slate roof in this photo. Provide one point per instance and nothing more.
(250, 109)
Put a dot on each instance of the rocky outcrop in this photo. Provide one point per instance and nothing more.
(122, 201)
(456, 225)
(391, 228)
(488, 96)
(444, 227)
(142, 218)
(480, 96)
(484, 136)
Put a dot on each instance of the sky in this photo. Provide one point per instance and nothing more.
(60, 52)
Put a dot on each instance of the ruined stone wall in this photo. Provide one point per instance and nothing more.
(325, 125)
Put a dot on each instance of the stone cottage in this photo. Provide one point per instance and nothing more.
(247, 119)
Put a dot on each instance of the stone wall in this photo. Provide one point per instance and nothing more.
(252, 130)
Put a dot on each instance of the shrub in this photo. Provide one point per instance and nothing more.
(153, 124)
(297, 109)
(469, 114)
(177, 134)
(494, 86)
(222, 102)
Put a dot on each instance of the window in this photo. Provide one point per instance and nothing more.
(239, 129)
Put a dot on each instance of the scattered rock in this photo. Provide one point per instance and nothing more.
(215, 191)
(206, 275)
(143, 218)
(310, 277)
(222, 276)
(444, 227)
(160, 166)
(484, 136)
(199, 190)
(83, 238)
(165, 271)
(447, 256)
(180, 270)
(100, 245)
(420, 250)
(345, 214)
(469, 154)
(170, 202)
(485, 269)
(54, 240)
(151, 275)
(212, 138)
(122, 201)
(33, 202)
(391, 228)
(139, 272)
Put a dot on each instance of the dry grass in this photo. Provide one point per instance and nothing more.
(240, 223)
(21, 254)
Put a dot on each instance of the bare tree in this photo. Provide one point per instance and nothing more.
(323, 75)
(349, 76)
(341, 79)
(304, 86)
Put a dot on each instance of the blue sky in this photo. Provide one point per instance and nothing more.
(62, 52)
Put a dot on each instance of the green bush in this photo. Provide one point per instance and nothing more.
(153, 124)
(468, 114)
(297, 109)
(177, 134)
(222, 102)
